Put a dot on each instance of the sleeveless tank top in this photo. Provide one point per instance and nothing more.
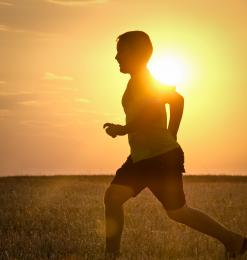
(142, 95)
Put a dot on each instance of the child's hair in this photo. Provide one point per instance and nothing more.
(138, 42)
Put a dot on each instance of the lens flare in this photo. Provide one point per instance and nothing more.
(168, 69)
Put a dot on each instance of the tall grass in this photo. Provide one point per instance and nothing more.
(63, 218)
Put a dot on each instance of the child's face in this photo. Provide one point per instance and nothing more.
(125, 58)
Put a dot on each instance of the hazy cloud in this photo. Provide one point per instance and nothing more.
(7, 29)
(62, 114)
(2, 82)
(89, 111)
(30, 103)
(75, 2)
(52, 76)
(39, 123)
(100, 113)
(4, 113)
(16, 93)
(82, 100)
(9, 100)
(47, 91)
(5, 3)
(45, 19)
(4, 28)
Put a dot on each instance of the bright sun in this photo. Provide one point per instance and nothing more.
(168, 69)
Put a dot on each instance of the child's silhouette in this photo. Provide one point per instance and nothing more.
(156, 159)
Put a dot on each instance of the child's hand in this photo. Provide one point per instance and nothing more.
(114, 130)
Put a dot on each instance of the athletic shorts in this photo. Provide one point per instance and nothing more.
(162, 174)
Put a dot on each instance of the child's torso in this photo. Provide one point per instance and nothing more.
(155, 139)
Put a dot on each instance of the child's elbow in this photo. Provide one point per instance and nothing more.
(175, 98)
(179, 98)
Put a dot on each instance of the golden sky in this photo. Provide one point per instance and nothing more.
(59, 81)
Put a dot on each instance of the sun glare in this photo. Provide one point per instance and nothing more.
(168, 69)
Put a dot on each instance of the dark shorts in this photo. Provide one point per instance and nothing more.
(162, 174)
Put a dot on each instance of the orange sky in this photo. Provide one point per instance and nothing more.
(59, 82)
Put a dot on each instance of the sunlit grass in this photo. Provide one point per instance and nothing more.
(63, 218)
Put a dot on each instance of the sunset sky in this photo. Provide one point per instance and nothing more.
(59, 81)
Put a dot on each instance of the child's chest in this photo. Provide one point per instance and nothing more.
(132, 100)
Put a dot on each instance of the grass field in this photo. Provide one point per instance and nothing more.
(62, 217)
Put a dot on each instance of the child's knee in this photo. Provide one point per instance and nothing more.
(116, 195)
(178, 214)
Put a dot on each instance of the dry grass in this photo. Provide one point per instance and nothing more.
(63, 218)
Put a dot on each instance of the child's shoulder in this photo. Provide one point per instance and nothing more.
(158, 88)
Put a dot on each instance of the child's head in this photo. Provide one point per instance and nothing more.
(134, 49)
